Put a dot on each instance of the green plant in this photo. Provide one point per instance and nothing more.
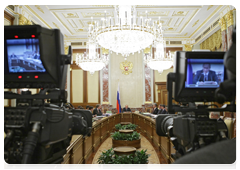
(141, 157)
(125, 159)
(123, 136)
(118, 126)
(109, 157)
(106, 157)
(123, 127)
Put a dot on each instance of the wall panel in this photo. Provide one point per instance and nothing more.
(131, 86)
(77, 86)
(92, 87)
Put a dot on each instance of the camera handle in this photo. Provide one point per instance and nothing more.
(30, 143)
(170, 80)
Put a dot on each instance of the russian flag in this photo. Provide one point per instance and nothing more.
(118, 100)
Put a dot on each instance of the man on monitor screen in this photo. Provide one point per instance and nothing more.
(205, 76)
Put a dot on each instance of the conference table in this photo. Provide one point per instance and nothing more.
(81, 148)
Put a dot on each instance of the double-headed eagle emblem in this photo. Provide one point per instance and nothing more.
(126, 67)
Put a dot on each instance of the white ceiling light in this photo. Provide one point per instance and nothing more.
(159, 61)
(128, 34)
(91, 60)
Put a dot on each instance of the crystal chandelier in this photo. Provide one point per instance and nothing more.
(128, 34)
(91, 61)
(159, 61)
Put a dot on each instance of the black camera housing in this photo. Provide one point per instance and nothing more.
(36, 131)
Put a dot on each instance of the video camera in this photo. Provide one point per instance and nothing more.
(37, 131)
(191, 128)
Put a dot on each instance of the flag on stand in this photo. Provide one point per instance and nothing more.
(118, 100)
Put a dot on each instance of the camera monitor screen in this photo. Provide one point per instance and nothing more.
(24, 56)
(204, 73)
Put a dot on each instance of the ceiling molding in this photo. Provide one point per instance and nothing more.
(178, 21)
(78, 9)
(10, 11)
(66, 27)
(190, 18)
(214, 12)
(172, 7)
(33, 12)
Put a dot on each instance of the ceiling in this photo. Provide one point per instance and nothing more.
(179, 22)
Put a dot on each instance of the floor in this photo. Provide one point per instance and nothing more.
(145, 144)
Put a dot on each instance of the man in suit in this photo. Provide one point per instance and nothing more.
(36, 55)
(155, 109)
(126, 109)
(163, 109)
(159, 109)
(97, 111)
(13, 56)
(205, 75)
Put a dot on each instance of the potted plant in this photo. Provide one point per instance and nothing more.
(122, 139)
(124, 127)
(109, 157)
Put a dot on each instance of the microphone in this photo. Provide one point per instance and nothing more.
(200, 76)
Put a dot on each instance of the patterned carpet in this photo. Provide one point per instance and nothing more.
(145, 144)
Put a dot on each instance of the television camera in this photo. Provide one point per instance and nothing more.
(38, 131)
(188, 125)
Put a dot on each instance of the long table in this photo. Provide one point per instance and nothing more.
(80, 149)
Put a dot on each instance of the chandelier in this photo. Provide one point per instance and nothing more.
(159, 61)
(128, 34)
(91, 60)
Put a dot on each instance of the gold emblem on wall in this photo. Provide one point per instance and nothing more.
(126, 67)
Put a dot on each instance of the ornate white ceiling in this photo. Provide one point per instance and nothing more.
(179, 22)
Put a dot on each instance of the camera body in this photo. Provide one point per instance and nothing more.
(37, 131)
(191, 128)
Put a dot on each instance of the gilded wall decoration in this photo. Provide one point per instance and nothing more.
(56, 25)
(23, 20)
(66, 49)
(39, 8)
(229, 18)
(213, 42)
(222, 23)
(195, 23)
(180, 13)
(153, 13)
(79, 30)
(207, 43)
(70, 15)
(102, 6)
(209, 7)
(91, 22)
(97, 14)
(105, 51)
(126, 67)
(147, 50)
(188, 47)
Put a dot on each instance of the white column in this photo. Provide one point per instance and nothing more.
(143, 66)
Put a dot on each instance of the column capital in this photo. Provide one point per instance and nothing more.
(147, 50)
(222, 23)
(105, 51)
(229, 18)
(188, 47)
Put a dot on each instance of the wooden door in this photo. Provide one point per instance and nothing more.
(162, 93)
